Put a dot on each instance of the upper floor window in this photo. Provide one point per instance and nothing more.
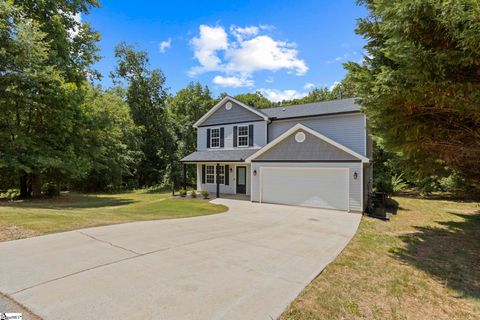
(215, 138)
(242, 136)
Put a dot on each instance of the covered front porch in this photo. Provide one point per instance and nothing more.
(222, 172)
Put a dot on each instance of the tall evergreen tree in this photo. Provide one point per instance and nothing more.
(420, 81)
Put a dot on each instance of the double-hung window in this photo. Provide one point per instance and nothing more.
(210, 174)
(215, 138)
(242, 136)
(221, 174)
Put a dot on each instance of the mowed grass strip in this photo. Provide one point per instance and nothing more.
(22, 219)
(423, 264)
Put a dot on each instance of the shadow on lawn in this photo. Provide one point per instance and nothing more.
(76, 201)
(450, 254)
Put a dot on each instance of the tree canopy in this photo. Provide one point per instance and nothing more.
(420, 81)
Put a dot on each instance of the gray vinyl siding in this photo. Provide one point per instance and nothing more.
(225, 189)
(236, 113)
(259, 138)
(348, 130)
(313, 148)
(355, 185)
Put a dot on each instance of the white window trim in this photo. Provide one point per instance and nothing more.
(220, 175)
(238, 136)
(214, 174)
(211, 138)
(209, 174)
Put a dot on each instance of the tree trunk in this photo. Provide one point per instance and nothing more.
(36, 186)
(24, 186)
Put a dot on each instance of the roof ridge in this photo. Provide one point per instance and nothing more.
(304, 104)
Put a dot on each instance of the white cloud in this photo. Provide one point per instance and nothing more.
(164, 45)
(242, 33)
(243, 52)
(264, 53)
(335, 83)
(269, 80)
(309, 86)
(210, 40)
(280, 95)
(234, 82)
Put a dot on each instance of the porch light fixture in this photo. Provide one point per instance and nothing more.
(254, 172)
(231, 169)
(355, 175)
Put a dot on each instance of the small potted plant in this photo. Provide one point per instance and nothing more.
(193, 193)
(205, 194)
(183, 193)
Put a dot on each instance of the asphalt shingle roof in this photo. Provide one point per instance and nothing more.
(312, 109)
(238, 155)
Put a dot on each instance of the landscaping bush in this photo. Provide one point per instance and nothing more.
(205, 194)
(183, 192)
(383, 184)
(398, 184)
(10, 194)
(50, 190)
(193, 193)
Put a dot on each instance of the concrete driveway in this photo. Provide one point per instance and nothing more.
(249, 263)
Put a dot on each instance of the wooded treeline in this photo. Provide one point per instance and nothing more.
(60, 131)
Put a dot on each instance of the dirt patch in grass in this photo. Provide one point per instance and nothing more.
(13, 232)
(423, 264)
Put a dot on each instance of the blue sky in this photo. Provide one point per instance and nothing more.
(282, 48)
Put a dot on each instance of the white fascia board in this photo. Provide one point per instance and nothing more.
(314, 133)
(219, 105)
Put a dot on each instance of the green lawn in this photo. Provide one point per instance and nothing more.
(423, 264)
(21, 219)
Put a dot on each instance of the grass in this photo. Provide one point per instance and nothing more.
(22, 219)
(423, 264)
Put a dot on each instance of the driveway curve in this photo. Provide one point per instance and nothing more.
(248, 263)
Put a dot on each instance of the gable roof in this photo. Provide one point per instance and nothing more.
(221, 103)
(312, 109)
(312, 132)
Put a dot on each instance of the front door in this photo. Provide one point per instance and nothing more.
(241, 180)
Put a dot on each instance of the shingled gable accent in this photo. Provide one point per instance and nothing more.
(316, 147)
(240, 112)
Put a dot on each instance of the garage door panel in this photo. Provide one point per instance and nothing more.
(312, 187)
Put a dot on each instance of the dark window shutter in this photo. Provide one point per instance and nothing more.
(222, 137)
(235, 136)
(226, 175)
(250, 135)
(208, 138)
(203, 174)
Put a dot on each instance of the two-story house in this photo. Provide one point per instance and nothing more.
(315, 154)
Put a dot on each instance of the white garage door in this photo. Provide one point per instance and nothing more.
(311, 187)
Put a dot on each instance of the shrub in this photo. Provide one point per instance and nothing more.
(398, 184)
(193, 193)
(183, 192)
(383, 184)
(10, 194)
(50, 190)
(205, 194)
